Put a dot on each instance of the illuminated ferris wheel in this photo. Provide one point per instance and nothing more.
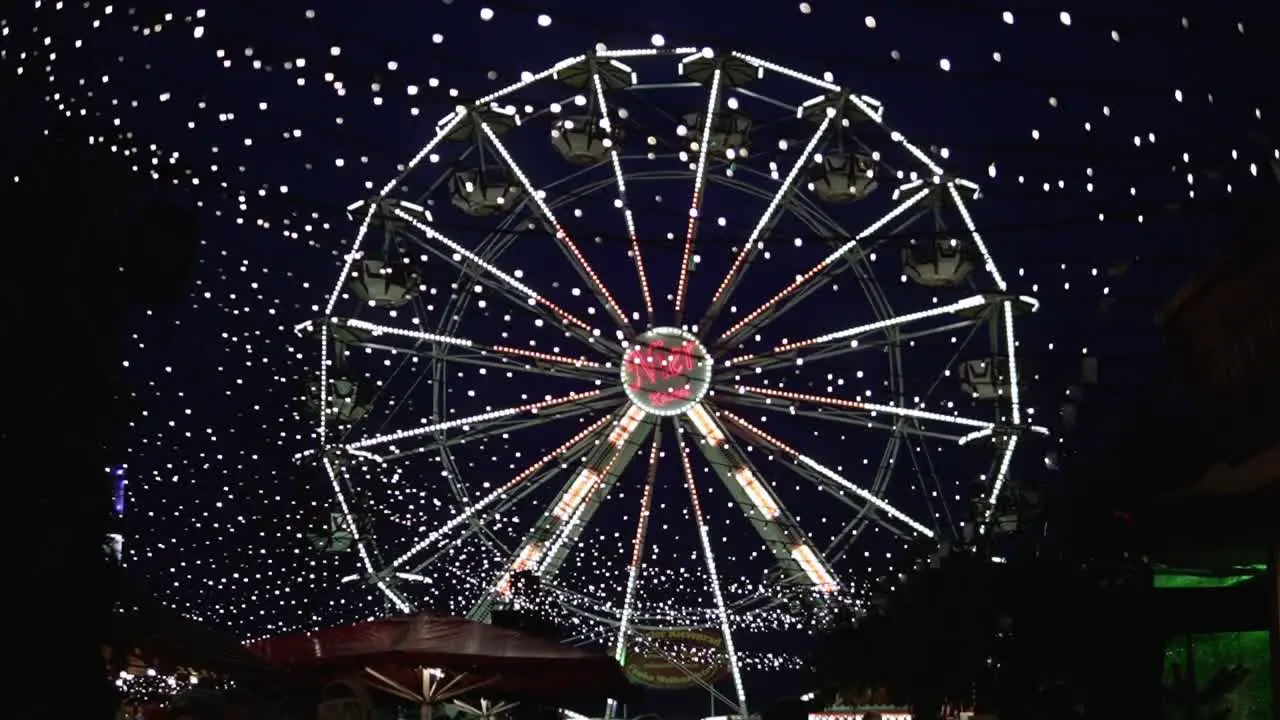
(553, 269)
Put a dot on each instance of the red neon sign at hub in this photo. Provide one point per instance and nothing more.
(663, 375)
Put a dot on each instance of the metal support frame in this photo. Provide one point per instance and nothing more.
(713, 576)
(517, 496)
(774, 524)
(501, 288)
(548, 543)
(639, 544)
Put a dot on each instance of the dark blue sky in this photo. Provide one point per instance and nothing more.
(274, 118)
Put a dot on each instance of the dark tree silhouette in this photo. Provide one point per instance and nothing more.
(94, 242)
(928, 648)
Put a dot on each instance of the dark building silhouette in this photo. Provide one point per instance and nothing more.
(98, 240)
(1223, 337)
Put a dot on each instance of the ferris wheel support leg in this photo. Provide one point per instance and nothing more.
(713, 575)
(782, 535)
(829, 476)
(477, 526)
(496, 495)
(548, 543)
(637, 560)
(464, 350)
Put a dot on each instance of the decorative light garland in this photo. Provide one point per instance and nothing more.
(237, 557)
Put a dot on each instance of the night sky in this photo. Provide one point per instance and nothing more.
(1102, 136)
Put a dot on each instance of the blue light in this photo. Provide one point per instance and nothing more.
(117, 495)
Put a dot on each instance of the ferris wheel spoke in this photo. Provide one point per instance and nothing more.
(782, 535)
(767, 362)
(854, 261)
(699, 186)
(547, 545)
(763, 227)
(538, 366)
(479, 419)
(624, 204)
(713, 575)
(785, 398)
(862, 420)
(553, 226)
(828, 478)
(757, 317)
(469, 513)
(518, 292)
(503, 426)
(847, 340)
(865, 418)
(361, 333)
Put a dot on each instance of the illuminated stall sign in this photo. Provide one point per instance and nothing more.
(676, 659)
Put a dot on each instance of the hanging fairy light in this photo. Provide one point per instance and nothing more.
(471, 376)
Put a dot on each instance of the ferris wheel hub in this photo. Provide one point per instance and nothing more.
(666, 371)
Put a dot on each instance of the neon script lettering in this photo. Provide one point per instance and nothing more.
(658, 365)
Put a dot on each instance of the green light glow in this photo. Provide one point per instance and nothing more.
(1232, 676)
(1174, 579)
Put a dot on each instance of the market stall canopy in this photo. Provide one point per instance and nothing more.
(479, 658)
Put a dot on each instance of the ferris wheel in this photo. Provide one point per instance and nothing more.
(553, 264)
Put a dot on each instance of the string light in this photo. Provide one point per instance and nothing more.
(492, 338)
